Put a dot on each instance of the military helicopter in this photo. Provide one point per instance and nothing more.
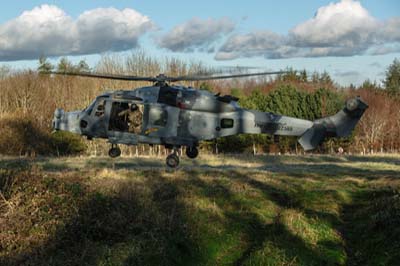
(176, 116)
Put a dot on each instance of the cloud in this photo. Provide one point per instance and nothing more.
(249, 45)
(48, 30)
(339, 29)
(343, 24)
(385, 49)
(196, 34)
(391, 30)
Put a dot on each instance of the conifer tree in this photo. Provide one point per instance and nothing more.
(44, 65)
(392, 80)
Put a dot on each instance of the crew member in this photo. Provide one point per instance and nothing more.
(134, 117)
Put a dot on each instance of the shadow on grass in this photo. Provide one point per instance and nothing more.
(317, 158)
(133, 225)
(336, 171)
(15, 164)
(147, 225)
(319, 171)
(133, 163)
(282, 159)
(395, 160)
(371, 228)
(256, 233)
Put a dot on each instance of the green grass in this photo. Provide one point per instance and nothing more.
(225, 210)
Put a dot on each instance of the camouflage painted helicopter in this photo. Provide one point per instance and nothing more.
(176, 116)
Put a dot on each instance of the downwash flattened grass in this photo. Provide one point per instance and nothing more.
(217, 210)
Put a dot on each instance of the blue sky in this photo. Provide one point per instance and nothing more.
(351, 40)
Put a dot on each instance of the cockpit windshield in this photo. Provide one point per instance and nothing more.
(89, 109)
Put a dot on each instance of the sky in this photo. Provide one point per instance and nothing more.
(351, 40)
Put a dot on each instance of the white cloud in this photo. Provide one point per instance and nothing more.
(344, 24)
(48, 30)
(196, 34)
(339, 29)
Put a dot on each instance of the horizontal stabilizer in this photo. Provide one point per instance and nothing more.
(312, 137)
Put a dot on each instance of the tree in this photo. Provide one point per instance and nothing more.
(4, 71)
(315, 77)
(82, 66)
(256, 101)
(290, 75)
(328, 102)
(352, 86)
(392, 80)
(326, 79)
(44, 65)
(303, 76)
(368, 85)
(65, 65)
(237, 92)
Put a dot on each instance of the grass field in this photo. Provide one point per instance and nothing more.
(226, 210)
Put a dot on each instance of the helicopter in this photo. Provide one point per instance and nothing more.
(177, 116)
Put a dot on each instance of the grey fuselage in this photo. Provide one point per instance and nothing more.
(184, 116)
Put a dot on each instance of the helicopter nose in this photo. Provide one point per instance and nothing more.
(57, 118)
(66, 121)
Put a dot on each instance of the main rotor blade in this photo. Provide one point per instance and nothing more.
(105, 76)
(194, 78)
(161, 77)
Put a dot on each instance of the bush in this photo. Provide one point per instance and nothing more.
(65, 143)
(22, 135)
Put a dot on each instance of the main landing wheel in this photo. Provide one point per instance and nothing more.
(192, 152)
(114, 152)
(172, 160)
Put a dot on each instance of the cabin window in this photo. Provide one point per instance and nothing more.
(126, 117)
(158, 116)
(117, 122)
(226, 123)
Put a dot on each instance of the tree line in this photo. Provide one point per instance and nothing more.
(29, 99)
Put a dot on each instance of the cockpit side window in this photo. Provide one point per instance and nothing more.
(168, 95)
(100, 108)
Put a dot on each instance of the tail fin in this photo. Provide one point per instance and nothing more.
(338, 125)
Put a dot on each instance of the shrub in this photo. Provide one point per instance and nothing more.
(22, 135)
(65, 143)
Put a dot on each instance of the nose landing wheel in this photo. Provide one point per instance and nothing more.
(115, 151)
(172, 160)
